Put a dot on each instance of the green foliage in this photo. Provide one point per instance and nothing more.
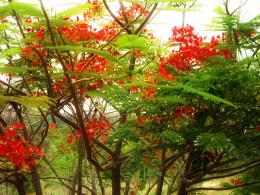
(205, 95)
(133, 42)
(27, 101)
(16, 70)
(217, 142)
(75, 10)
(25, 9)
(123, 132)
(105, 54)
(9, 52)
(169, 136)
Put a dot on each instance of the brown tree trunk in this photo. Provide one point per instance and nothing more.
(116, 181)
(160, 182)
(36, 180)
(160, 179)
(170, 186)
(101, 185)
(183, 188)
(19, 184)
(93, 179)
(80, 161)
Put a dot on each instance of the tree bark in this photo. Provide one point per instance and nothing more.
(160, 179)
(36, 180)
(19, 184)
(101, 185)
(116, 181)
(93, 180)
(160, 182)
(80, 161)
(183, 188)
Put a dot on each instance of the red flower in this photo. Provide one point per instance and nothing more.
(70, 138)
(134, 89)
(150, 92)
(52, 126)
(17, 126)
(14, 149)
(40, 34)
(236, 182)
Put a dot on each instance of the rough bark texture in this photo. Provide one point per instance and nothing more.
(116, 181)
(183, 188)
(160, 183)
(19, 184)
(93, 180)
(36, 180)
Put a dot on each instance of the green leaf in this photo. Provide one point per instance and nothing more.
(104, 54)
(10, 52)
(122, 132)
(5, 11)
(15, 70)
(132, 42)
(3, 26)
(213, 141)
(75, 10)
(205, 95)
(219, 10)
(172, 137)
(27, 101)
(25, 9)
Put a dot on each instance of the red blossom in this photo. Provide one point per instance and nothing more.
(134, 89)
(70, 138)
(149, 92)
(17, 126)
(236, 181)
(40, 34)
(14, 149)
(52, 126)
(189, 50)
(182, 111)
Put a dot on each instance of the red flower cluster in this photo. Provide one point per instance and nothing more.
(149, 92)
(77, 32)
(33, 53)
(85, 32)
(96, 64)
(17, 151)
(95, 8)
(182, 111)
(133, 12)
(94, 127)
(97, 127)
(236, 182)
(189, 50)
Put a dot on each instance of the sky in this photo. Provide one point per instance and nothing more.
(164, 21)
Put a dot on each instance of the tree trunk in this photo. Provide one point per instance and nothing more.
(160, 179)
(183, 188)
(36, 180)
(80, 161)
(74, 183)
(19, 184)
(170, 186)
(160, 182)
(20, 188)
(93, 180)
(116, 181)
(101, 185)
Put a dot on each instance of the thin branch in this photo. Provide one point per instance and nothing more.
(115, 18)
